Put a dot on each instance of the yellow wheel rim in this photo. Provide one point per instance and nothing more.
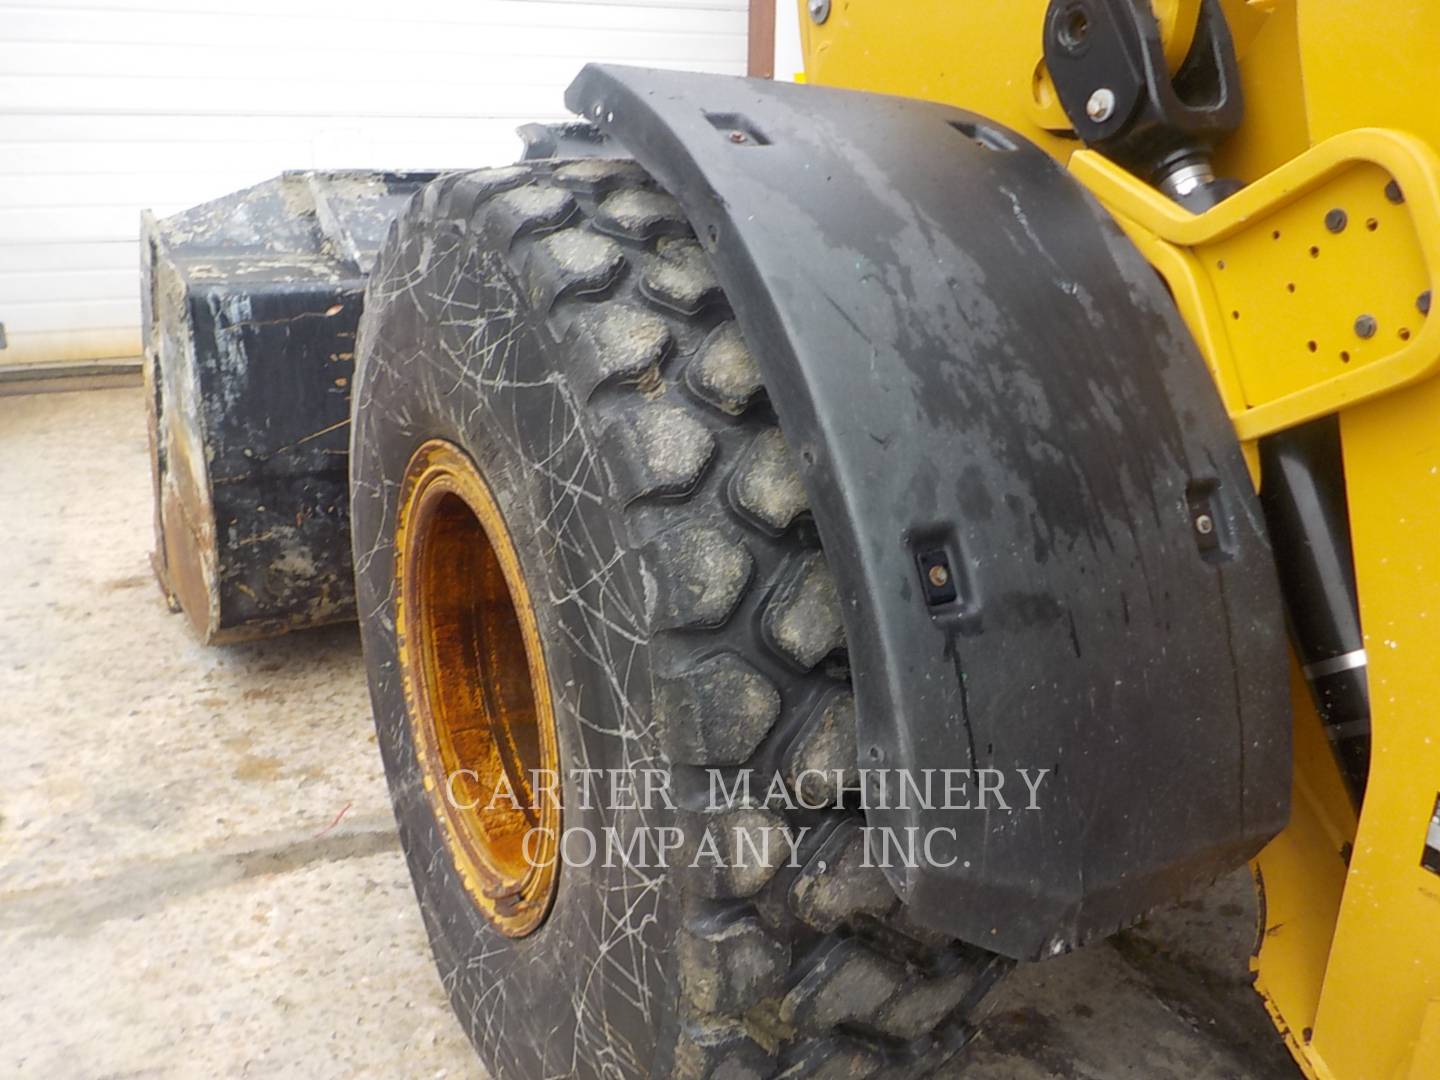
(476, 688)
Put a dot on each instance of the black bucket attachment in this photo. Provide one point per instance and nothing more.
(251, 304)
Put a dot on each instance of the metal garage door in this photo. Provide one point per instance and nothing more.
(108, 106)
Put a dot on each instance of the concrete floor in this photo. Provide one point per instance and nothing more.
(198, 869)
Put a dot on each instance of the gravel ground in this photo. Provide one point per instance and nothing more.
(199, 874)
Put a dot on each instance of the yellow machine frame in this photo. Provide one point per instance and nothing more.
(1340, 101)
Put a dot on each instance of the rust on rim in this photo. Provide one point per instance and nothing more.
(476, 688)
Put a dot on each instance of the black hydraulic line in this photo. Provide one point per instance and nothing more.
(1107, 60)
(1302, 492)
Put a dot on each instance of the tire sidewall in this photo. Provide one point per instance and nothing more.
(588, 993)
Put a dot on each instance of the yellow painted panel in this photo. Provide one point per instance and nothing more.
(1274, 130)
(987, 56)
(1371, 64)
(1427, 1049)
(1256, 355)
(1290, 290)
(1385, 963)
(1302, 877)
(976, 54)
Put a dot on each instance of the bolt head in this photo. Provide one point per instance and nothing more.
(1393, 193)
(737, 136)
(939, 576)
(1365, 326)
(1204, 524)
(819, 10)
(1336, 220)
(1101, 105)
(1422, 303)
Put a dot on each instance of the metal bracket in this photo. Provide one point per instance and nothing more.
(1108, 64)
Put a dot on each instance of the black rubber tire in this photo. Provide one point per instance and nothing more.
(559, 322)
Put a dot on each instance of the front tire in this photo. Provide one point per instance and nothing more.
(557, 326)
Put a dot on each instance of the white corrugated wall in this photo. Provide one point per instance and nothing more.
(111, 106)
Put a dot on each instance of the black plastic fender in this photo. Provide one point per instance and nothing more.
(979, 371)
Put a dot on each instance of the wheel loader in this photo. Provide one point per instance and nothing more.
(819, 545)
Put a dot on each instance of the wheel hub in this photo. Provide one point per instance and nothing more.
(476, 688)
